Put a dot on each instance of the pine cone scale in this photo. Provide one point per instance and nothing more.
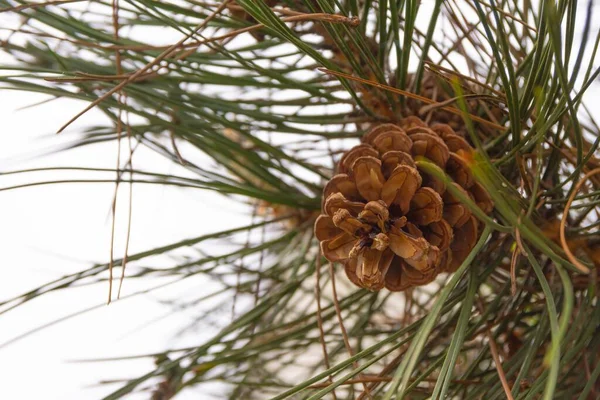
(401, 186)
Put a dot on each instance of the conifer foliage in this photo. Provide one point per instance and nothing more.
(424, 180)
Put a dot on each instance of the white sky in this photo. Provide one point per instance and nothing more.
(50, 231)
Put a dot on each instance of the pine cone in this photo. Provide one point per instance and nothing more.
(390, 224)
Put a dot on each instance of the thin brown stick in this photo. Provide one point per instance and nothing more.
(385, 371)
(113, 212)
(408, 94)
(518, 237)
(130, 208)
(115, 21)
(563, 221)
(513, 271)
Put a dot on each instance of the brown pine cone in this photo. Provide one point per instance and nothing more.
(390, 224)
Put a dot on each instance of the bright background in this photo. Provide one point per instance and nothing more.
(50, 231)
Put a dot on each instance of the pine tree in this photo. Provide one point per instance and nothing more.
(423, 175)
